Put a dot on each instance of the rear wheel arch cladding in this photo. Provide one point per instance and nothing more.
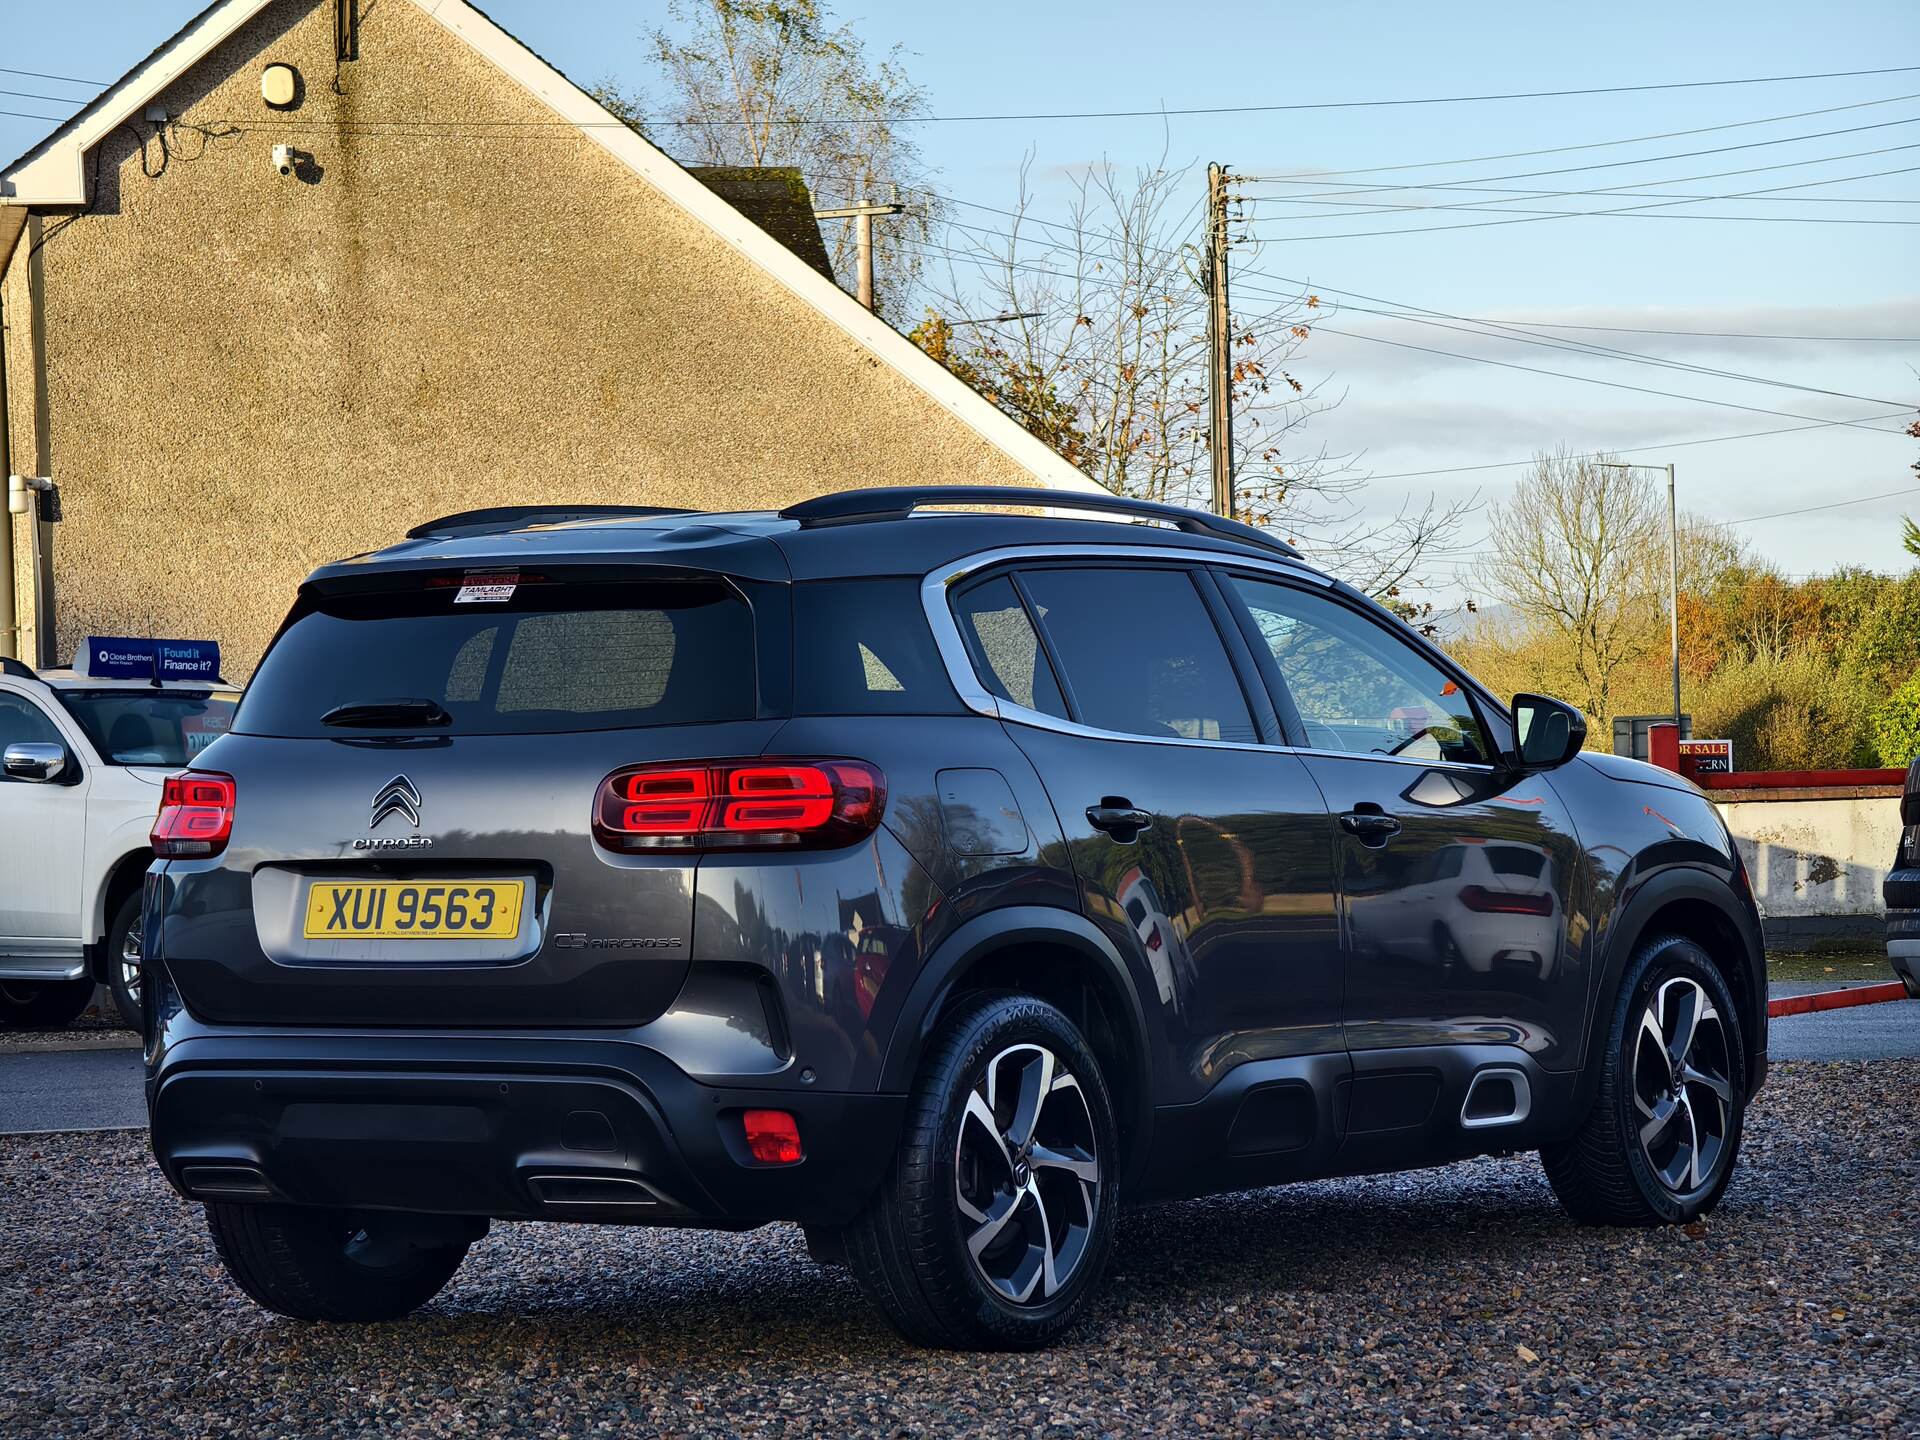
(1056, 956)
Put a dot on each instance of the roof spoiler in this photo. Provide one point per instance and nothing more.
(497, 519)
(851, 507)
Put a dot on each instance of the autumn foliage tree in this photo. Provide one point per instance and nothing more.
(1807, 674)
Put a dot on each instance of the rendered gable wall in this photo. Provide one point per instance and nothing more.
(461, 300)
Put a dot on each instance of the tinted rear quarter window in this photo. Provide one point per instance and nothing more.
(863, 647)
(553, 657)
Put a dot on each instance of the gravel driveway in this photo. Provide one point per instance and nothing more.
(1452, 1302)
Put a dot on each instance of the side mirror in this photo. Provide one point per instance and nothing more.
(27, 761)
(1546, 732)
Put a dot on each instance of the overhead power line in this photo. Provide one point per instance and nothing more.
(1810, 509)
(1520, 336)
(63, 79)
(1460, 562)
(1510, 209)
(1714, 334)
(35, 95)
(1166, 112)
(1493, 330)
(1326, 104)
(1635, 449)
(1862, 424)
(1332, 175)
(1645, 159)
(1524, 192)
(1632, 209)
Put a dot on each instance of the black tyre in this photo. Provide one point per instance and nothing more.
(992, 1227)
(43, 1004)
(313, 1264)
(1660, 1142)
(123, 960)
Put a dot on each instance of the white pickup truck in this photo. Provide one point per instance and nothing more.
(82, 758)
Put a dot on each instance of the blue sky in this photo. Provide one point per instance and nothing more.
(1406, 410)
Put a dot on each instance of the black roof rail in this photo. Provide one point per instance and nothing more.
(18, 668)
(516, 517)
(897, 502)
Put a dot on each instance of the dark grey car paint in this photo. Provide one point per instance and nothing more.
(814, 978)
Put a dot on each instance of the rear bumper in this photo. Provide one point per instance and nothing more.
(511, 1127)
(1903, 932)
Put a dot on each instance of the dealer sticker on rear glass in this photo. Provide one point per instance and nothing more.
(486, 589)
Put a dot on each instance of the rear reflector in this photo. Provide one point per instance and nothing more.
(773, 1138)
(196, 815)
(739, 804)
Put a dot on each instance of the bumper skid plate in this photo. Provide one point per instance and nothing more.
(511, 1144)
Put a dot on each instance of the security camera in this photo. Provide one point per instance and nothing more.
(283, 158)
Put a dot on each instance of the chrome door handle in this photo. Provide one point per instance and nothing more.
(1121, 819)
(1371, 827)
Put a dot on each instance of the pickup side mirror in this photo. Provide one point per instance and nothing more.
(1546, 732)
(29, 761)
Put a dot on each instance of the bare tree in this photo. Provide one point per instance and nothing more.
(1579, 551)
(1106, 360)
(778, 83)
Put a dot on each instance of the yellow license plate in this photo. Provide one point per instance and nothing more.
(414, 909)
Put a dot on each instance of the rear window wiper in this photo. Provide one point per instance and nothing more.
(381, 713)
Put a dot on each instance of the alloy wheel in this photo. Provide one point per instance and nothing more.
(130, 964)
(1682, 1086)
(1027, 1173)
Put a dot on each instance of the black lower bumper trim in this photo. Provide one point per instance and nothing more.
(550, 1130)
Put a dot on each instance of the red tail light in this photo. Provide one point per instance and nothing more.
(739, 804)
(773, 1138)
(196, 815)
(1501, 902)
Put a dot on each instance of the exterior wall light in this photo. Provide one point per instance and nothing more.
(279, 86)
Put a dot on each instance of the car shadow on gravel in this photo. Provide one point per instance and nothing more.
(690, 1299)
(1454, 1299)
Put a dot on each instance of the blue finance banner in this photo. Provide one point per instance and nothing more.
(114, 657)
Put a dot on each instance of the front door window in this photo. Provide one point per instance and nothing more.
(1356, 687)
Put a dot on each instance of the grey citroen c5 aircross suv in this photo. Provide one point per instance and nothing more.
(939, 880)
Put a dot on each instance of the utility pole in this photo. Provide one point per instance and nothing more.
(862, 216)
(1219, 345)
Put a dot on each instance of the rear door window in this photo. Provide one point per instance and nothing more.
(1140, 653)
(1005, 650)
(552, 657)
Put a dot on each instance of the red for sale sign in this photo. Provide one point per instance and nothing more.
(1707, 757)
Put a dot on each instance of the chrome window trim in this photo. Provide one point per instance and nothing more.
(935, 598)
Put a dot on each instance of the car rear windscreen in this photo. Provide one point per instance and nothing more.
(149, 727)
(548, 657)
